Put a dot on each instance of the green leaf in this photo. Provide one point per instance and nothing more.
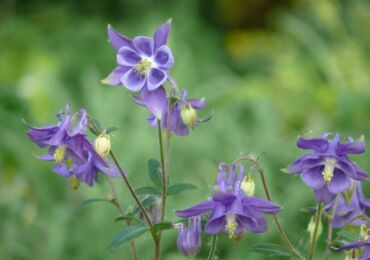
(146, 203)
(90, 201)
(130, 217)
(303, 242)
(271, 249)
(148, 190)
(348, 235)
(127, 234)
(112, 129)
(155, 172)
(162, 226)
(180, 187)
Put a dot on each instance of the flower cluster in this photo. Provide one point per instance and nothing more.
(143, 66)
(233, 211)
(328, 169)
(363, 243)
(70, 150)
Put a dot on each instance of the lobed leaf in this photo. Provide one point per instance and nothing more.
(127, 234)
(180, 187)
(155, 172)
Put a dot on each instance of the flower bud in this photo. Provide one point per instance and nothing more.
(189, 116)
(364, 232)
(248, 185)
(189, 240)
(311, 227)
(103, 144)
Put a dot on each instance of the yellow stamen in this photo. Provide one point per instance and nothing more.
(59, 153)
(143, 67)
(231, 225)
(328, 170)
(75, 183)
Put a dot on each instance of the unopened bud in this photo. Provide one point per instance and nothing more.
(75, 183)
(364, 232)
(103, 144)
(189, 116)
(311, 227)
(248, 185)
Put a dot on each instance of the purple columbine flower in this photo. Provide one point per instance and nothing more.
(364, 243)
(157, 103)
(232, 211)
(327, 169)
(351, 206)
(142, 61)
(189, 238)
(73, 155)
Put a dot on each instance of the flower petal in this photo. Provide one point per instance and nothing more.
(144, 45)
(323, 195)
(261, 205)
(197, 103)
(156, 78)
(256, 225)
(118, 40)
(353, 147)
(318, 144)
(163, 57)
(313, 177)
(347, 168)
(114, 78)
(128, 57)
(161, 34)
(155, 101)
(340, 182)
(197, 209)
(133, 81)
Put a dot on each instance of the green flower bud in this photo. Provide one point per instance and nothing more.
(103, 144)
(189, 116)
(248, 185)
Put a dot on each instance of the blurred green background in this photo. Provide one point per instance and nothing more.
(270, 70)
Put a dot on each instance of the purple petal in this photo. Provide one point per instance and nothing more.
(339, 183)
(197, 209)
(353, 245)
(40, 136)
(354, 147)
(156, 78)
(197, 103)
(323, 195)
(132, 80)
(118, 40)
(128, 57)
(313, 177)
(80, 128)
(347, 169)
(296, 166)
(161, 34)
(360, 172)
(317, 144)
(256, 225)
(163, 57)
(216, 222)
(62, 170)
(114, 78)
(155, 101)
(261, 205)
(144, 45)
(46, 157)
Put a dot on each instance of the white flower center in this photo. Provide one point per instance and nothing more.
(328, 172)
(231, 225)
(143, 67)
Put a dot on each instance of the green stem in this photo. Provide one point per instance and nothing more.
(212, 251)
(164, 175)
(314, 237)
(121, 212)
(329, 242)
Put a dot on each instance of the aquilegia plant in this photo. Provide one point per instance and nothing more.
(232, 209)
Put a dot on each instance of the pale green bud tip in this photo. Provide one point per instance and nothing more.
(103, 144)
(248, 185)
(311, 227)
(189, 116)
(60, 153)
(364, 232)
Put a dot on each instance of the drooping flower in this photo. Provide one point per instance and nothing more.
(328, 169)
(142, 61)
(189, 239)
(351, 206)
(232, 211)
(157, 103)
(73, 155)
(364, 244)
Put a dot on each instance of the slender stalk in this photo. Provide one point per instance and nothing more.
(121, 212)
(212, 251)
(131, 190)
(164, 179)
(157, 248)
(330, 230)
(283, 235)
(314, 237)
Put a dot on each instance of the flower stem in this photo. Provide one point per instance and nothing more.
(283, 235)
(131, 190)
(212, 251)
(314, 237)
(164, 175)
(329, 242)
(121, 212)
